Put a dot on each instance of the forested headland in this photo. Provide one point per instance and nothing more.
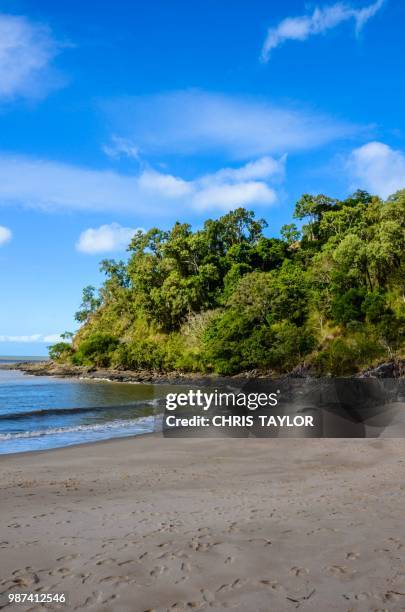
(327, 296)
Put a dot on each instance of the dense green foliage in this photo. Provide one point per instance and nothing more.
(226, 298)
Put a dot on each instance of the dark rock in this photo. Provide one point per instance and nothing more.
(390, 369)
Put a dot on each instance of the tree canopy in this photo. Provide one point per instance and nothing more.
(227, 297)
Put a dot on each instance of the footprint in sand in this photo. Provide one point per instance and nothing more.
(340, 571)
(126, 562)
(106, 561)
(159, 569)
(67, 558)
(207, 596)
(25, 579)
(299, 571)
(185, 567)
(236, 584)
(117, 581)
(352, 555)
(270, 584)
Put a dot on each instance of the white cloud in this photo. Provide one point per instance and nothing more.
(121, 147)
(228, 196)
(377, 168)
(198, 122)
(52, 338)
(31, 338)
(26, 52)
(263, 168)
(320, 21)
(105, 238)
(5, 235)
(232, 187)
(50, 185)
(163, 185)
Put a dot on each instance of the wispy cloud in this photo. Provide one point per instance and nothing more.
(377, 168)
(49, 185)
(31, 338)
(198, 122)
(51, 338)
(5, 235)
(121, 147)
(320, 21)
(105, 239)
(26, 53)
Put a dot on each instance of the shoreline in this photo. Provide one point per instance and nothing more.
(28, 453)
(73, 439)
(391, 369)
(49, 368)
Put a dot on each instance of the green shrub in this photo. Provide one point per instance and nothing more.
(374, 306)
(96, 350)
(140, 355)
(61, 351)
(348, 306)
(290, 344)
(345, 356)
(233, 342)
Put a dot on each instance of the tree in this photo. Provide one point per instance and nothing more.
(116, 272)
(313, 208)
(90, 303)
(67, 335)
(290, 233)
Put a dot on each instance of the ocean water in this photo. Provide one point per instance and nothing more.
(14, 359)
(39, 412)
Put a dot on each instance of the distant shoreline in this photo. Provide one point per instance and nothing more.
(20, 359)
(392, 369)
(49, 368)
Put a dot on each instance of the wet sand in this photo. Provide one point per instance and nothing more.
(246, 524)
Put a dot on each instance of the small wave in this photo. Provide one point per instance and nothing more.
(45, 412)
(104, 379)
(142, 422)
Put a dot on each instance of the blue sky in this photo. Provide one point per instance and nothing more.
(141, 113)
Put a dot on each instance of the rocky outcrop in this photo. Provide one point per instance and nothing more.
(50, 368)
(390, 369)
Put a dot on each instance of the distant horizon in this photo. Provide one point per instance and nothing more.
(21, 356)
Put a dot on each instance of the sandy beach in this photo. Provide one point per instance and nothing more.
(254, 525)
